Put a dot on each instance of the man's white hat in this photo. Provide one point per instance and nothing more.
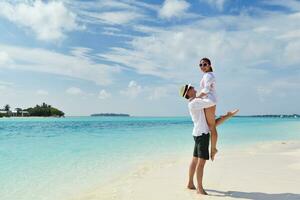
(184, 89)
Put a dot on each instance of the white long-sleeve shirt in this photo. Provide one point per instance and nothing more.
(196, 109)
(208, 86)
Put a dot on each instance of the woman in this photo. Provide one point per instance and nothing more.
(208, 94)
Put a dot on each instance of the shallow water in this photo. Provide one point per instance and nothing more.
(52, 158)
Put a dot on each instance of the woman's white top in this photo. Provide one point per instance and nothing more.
(208, 86)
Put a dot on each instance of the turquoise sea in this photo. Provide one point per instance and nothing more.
(55, 158)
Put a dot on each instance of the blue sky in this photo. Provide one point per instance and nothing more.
(131, 56)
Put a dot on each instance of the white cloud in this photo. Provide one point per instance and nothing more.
(278, 88)
(293, 5)
(103, 94)
(49, 20)
(118, 17)
(115, 34)
(42, 92)
(101, 5)
(79, 65)
(290, 35)
(133, 90)
(219, 4)
(291, 52)
(173, 8)
(111, 12)
(81, 52)
(5, 60)
(74, 91)
(173, 53)
(157, 93)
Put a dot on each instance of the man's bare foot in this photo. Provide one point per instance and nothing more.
(213, 153)
(201, 191)
(191, 186)
(232, 113)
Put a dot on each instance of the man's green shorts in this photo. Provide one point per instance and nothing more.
(201, 146)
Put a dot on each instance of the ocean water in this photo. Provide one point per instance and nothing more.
(57, 158)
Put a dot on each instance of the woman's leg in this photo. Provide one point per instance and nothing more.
(223, 118)
(211, 121)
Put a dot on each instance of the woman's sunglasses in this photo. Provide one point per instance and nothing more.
(203, 65)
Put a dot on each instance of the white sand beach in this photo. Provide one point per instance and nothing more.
(265, 171)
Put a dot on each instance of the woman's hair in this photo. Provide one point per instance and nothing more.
(208, 61)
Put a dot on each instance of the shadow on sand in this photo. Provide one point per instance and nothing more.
(255, 195)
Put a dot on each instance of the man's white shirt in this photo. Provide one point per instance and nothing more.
(196, 109)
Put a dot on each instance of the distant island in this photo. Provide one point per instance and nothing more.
(109, 115)
(43, 110)
(274, 116)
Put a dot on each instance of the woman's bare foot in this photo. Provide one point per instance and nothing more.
(191, 186)
(213, 153)
(201, 191)
(232, 113)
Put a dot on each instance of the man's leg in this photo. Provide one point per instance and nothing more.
(200, 170)
(192, 170)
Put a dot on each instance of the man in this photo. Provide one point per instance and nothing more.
(201, 135)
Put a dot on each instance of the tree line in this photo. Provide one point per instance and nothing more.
(43, 110)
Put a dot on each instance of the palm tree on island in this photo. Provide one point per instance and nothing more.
(7, 108)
